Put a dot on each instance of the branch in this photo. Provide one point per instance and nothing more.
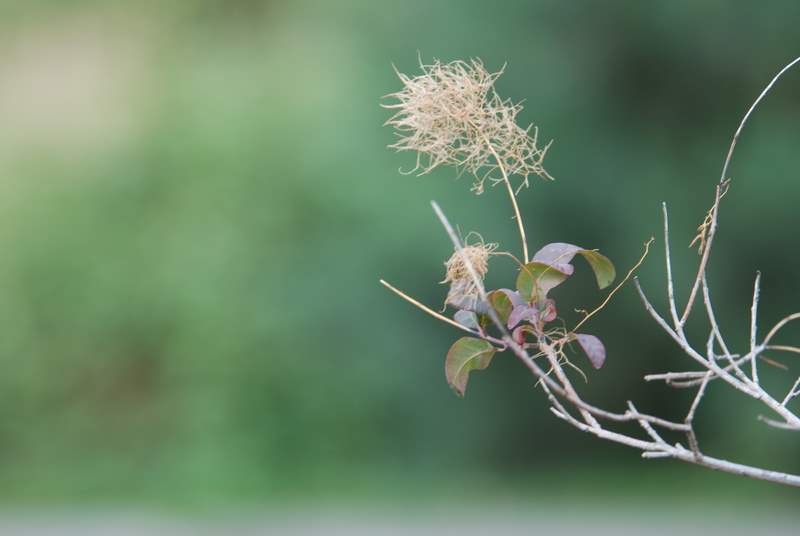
(523, 356)
(592, 426)
(563, 396)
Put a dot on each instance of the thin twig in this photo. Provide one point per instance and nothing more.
(673, 309)
(438, 316)
(712, 319)
(754, 327)
(777, 327)
(513, 198)
(646, 426)
(749, 112)
(701, 268)
(779, 424)
(783, 348)
(723, 176)
(793, 392)
(619, 286)
(565, 383)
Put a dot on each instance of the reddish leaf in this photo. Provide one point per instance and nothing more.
(593, 347)
(519, 333)
(522, 313)
(549, 312)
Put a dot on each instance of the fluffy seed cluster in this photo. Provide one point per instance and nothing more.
(463, 290)
(451, 115)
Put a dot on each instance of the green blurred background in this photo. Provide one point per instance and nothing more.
(197, 203)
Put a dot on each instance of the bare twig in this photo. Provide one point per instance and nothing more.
(754, 327)
(782, 348)
(749, 112)
(646, 426)
(779, 325)
(701, 269)
(439, 316)
(721, 185)
(619, 286)
(793, 392)
(673, 309)
(690, 435)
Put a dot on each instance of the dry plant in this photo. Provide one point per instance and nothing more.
(451, 114)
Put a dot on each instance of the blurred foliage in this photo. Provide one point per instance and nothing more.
(197, 204)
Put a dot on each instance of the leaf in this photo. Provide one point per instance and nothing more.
(559, 254)
(522, 312)
(503, 301)
(593, 348)
(466, 354)
(468, 319)
(536, 279)
(519, 333)
(602, 267)
(549, 312)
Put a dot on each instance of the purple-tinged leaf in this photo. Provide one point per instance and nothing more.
(468, 319)
(514, 296)
(549, 313)
(522, 313)
(535, 280)
(466, 354)
(593, 347)
(519, 333)
(558, 255)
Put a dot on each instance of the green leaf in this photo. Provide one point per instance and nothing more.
(466, 354)
(602, 267)
(501, 303)
(536, 279)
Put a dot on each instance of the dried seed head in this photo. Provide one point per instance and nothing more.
(478, 257)
(463, 290)
(452, 115)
